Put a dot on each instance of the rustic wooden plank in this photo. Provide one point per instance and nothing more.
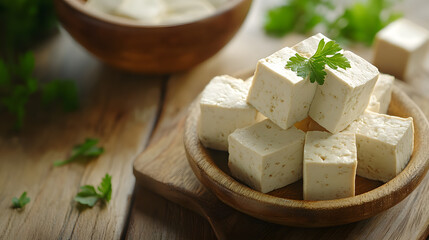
(120, 109)
(157, 218)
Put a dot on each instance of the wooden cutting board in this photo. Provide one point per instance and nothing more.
(163, 169)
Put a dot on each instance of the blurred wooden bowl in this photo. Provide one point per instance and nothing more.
(285, 205)
(131, 46)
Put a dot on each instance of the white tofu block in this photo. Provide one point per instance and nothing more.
(278, 93)
(344, 95)
(373, 105)
(330, 163)
(224, 109)
(384, 144)
(382, 93)
(308, 47)
(148, 11)
(266, 157)
(400, 48)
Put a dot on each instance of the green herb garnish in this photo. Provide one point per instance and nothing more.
(314, 67)
(88, 149)
(89, 196)
(21, 201)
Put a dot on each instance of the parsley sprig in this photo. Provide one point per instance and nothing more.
(21, 201)
(314, 67)
(88, 149)
(89, 196)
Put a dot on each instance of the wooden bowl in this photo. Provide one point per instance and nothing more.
(157, 49)
(285, 206)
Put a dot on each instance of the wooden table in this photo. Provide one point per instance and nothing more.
(126, 112)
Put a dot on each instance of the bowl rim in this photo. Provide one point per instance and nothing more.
(217, 181)
(79, 6)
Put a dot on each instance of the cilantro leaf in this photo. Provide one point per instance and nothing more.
(88, 149)
(314, 67)
(299, 65)
(89, 196)
(21, 201)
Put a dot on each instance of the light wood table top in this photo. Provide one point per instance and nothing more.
(123, 111)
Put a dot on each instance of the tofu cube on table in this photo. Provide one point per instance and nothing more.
(382, 94)
(224, 109)
(330, 162)
(266, 157)
(344, 95)
(278, 93)
(384, 145)
(400, 48)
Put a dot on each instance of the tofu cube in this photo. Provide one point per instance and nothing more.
(344, 95)
(278, 93)
(384, 145)
(382, 94)
(400, 48)
(330, 162)
(224, 109)
(308, 47)
(266, 157)
(373, 105)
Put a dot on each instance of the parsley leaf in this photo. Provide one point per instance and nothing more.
(21, 201)
(87, 149)
(89, 196)
(314, 67)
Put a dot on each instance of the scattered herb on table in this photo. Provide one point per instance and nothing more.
(358, 22)
(88, 149)
(21, 201)
(314, 67)
(89, 196)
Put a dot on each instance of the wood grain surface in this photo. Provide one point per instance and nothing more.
(26, 159)
(117, 108)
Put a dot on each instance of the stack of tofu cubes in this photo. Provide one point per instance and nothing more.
(254, 120)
